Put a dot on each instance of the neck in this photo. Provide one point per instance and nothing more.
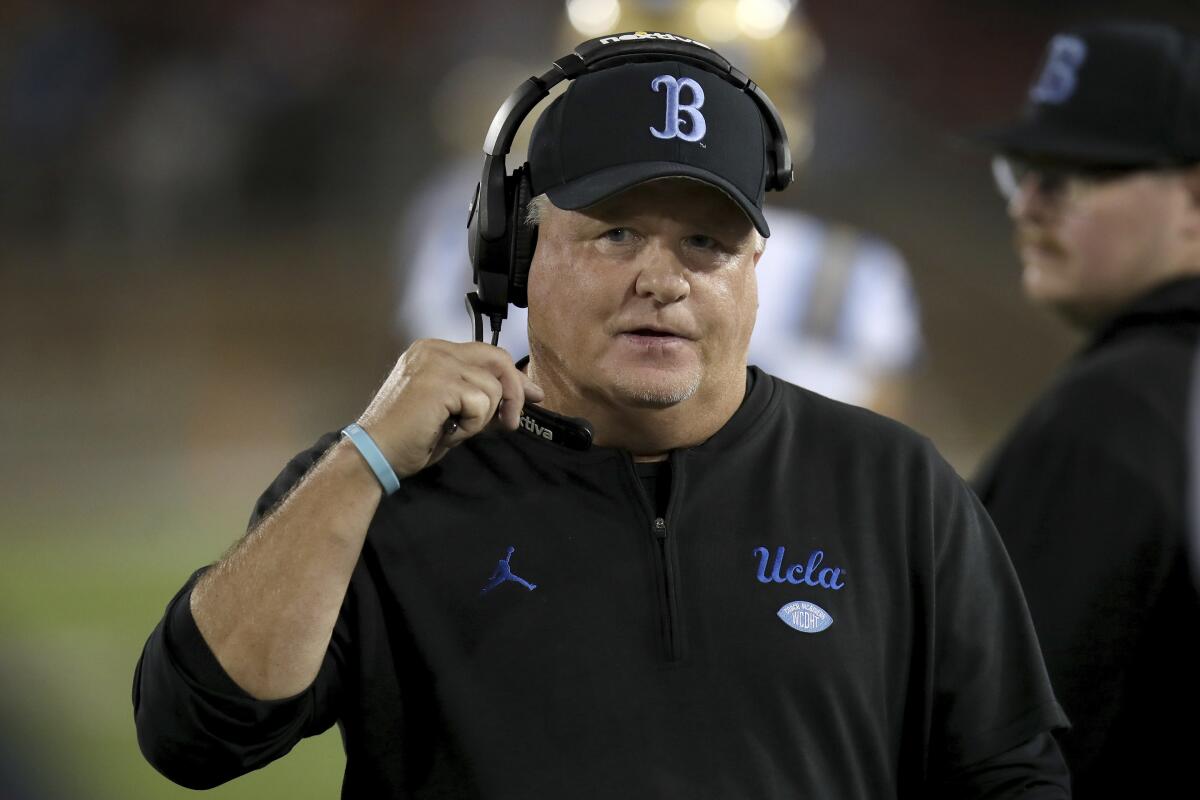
(647, 432)
(1090, 317)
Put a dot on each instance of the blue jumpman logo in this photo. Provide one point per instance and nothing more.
(502, 573)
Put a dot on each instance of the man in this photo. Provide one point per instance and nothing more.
(837, 313)
(1090, 490)
(743, 590)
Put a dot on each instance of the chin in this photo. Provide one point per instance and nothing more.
(1044, 291)
(1083, 316)
(662, 391)
(1042, 285)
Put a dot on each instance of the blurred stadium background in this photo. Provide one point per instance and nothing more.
(199, 228)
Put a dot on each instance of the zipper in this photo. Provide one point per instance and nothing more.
(670, 618)
(672, 624)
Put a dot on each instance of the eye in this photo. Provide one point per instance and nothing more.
(617, 235)
(702, 242)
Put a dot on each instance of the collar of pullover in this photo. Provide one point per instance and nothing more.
(1175, 302)
(761, 395)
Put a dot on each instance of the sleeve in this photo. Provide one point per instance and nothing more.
(194, 724)
(1033, 770)
(1091, 534)
(990, 689)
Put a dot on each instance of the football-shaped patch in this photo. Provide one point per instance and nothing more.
(805, 617)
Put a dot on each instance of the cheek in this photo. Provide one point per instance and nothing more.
(543, 306)
(541, 274)
(749, 304)
(735, 304)
(562, 292)
(1083, 238)
(746, 298)
(1108, 246)
(541, 290)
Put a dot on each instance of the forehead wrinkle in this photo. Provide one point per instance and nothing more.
(700, 207)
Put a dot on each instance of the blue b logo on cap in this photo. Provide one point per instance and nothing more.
(1057, 82)
(671, 128)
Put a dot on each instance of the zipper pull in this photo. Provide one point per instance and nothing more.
(660, 527)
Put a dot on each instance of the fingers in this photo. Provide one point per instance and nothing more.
(505, 410)
(440, 394)
(478, 395)
(505, 384)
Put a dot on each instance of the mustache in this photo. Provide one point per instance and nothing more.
(1039, 240)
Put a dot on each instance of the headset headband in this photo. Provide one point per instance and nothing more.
(594, 55)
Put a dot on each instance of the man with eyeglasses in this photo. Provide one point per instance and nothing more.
(1090, 492)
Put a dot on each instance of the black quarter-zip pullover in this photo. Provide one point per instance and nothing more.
(1095, 495)
(823, 610)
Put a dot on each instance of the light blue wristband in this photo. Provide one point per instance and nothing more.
(373, 456)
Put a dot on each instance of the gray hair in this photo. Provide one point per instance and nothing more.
(535, 213)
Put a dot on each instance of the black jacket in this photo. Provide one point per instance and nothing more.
(823, 611)
(1090, 496)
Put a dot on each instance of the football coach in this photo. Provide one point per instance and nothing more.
(631, 566)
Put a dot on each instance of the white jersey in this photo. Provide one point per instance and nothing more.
(837, 312)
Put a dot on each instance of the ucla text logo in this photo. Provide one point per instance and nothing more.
(809, 574)
(671, 127)
(1057, 82)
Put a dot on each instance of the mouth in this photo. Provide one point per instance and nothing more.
(1041, 244)
(655, 342)
(656, 332)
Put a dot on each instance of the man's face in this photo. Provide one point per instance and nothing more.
(646, 298)
(1090, 247)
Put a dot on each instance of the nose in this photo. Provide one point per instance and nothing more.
(1035, 198)
(662, 277)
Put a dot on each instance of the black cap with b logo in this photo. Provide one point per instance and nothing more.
(615, 128)
(1121, 94)
(641, 105)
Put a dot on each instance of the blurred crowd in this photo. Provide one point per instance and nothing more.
(122, 121)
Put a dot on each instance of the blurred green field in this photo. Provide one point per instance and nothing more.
(138, 424)
(75, 613)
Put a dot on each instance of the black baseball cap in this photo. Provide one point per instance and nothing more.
(1121, 94)
(624, 125)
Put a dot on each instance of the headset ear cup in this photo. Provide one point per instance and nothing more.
(524, 239)
(474, 249)
(489, 259)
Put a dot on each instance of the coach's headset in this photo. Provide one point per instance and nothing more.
(500, 239)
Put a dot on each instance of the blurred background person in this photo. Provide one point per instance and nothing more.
(837, 312)
(1091, 490)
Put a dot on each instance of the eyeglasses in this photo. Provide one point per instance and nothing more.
(1054, 180)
